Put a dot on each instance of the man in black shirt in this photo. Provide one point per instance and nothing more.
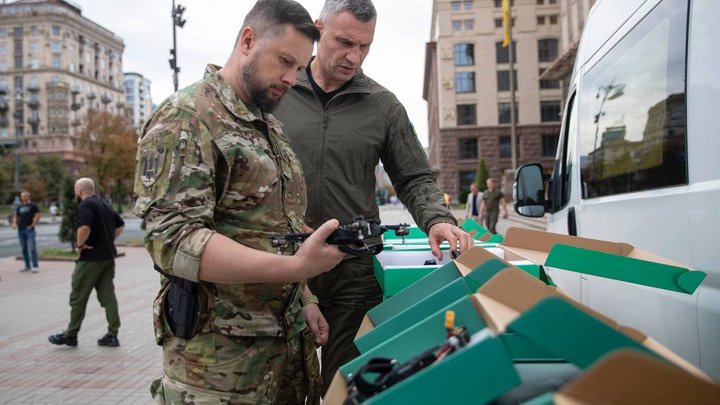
(98, 226)
(25, 219)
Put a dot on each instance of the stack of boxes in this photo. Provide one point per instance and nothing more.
(530, 341)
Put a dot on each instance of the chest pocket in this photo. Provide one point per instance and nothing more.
(252, 176)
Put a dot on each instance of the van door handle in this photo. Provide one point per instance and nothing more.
(572, 224)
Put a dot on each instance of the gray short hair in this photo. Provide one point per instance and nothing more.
(363, 10)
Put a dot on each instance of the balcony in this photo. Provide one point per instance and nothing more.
(34, 121)
(3, 105)
(4, 122)
(34, 103)
(105, 99)
(75, 106)
(33, 87)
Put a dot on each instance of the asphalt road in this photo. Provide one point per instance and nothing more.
(47, 237)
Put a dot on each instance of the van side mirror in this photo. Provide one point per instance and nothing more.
(530, 191)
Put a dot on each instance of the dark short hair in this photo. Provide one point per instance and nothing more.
(269, 17)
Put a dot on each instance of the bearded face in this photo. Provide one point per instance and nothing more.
(263, 93)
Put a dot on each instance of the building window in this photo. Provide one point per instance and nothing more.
(455, 5)
(468, 4)
(503, 80)
(457, 25)
(56, 47)
(505, 149)
(467, 148)
(504, 113)
(499, 22)
(469, 25)
(33, 47)
(465, 82)
(501, 53)
(540, 2)
(56, 30)
(549, 145)
(464, 54)
(466, 114)
(3, 33)
(34, 64)
(541, 20)
(553, 19)
(550, 111)
(547, 50)
(548, 84)
(552, 1)
(56, 63)
(466, 178)
(33, 30)
(498, 3)
(3, 66)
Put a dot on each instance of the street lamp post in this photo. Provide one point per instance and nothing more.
(177, 21)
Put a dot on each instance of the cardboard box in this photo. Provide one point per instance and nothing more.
(628, 377)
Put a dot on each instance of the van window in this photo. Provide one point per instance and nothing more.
(632, 117)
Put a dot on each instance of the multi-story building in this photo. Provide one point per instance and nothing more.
(55, 65)
(467, 87)
(572, 21)
(137, 98)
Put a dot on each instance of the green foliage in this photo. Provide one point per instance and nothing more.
(481, 175)
(6, 186)
(68, 226)
(52, 172)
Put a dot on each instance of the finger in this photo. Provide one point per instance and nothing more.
(463, 242)
(435, 248)
(326, 229)
(307, 229)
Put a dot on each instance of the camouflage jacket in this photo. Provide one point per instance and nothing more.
(207, 163)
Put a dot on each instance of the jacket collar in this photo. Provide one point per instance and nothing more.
(229, 99)
(358, 84)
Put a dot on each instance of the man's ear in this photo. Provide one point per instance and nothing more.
(248, 39)
(319, 25)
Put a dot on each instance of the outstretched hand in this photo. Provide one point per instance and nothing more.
(456, 237)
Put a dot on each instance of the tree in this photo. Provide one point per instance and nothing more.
(5, 181)
(68, 226)
(52, 172)
(481, 175)
(110, 146)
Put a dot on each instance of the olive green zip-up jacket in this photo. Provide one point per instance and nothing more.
(340, 145)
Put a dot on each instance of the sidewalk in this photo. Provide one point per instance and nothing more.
(34, 306)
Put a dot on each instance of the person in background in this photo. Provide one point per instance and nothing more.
(98, 227)
(472, 206)
(492, 198)
(25, 220)
(341, 123)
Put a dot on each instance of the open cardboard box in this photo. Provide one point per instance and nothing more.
(627, 377)
(514, 303)
(442, 286)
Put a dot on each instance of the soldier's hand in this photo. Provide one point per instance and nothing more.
(317, 323)
(456, 237)
(315, 255)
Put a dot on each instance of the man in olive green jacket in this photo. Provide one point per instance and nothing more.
(341, 123)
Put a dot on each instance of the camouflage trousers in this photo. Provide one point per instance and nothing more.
(218, 369)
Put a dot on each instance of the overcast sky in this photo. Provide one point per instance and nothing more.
(396, 59)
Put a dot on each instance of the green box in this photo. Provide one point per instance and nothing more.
(420, 336)
(395, 270)
(475, 374)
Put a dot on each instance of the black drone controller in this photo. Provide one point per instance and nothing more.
(349, 238)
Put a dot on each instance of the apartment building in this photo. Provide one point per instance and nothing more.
(467, 87)
(138, 101)
(55, 66)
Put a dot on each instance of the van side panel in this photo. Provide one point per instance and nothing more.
(704, 152)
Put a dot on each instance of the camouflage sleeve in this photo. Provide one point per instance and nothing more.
(175, 189)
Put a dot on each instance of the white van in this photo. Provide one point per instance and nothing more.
(638, 161)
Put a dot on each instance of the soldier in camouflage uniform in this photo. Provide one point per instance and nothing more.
(215, 177)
